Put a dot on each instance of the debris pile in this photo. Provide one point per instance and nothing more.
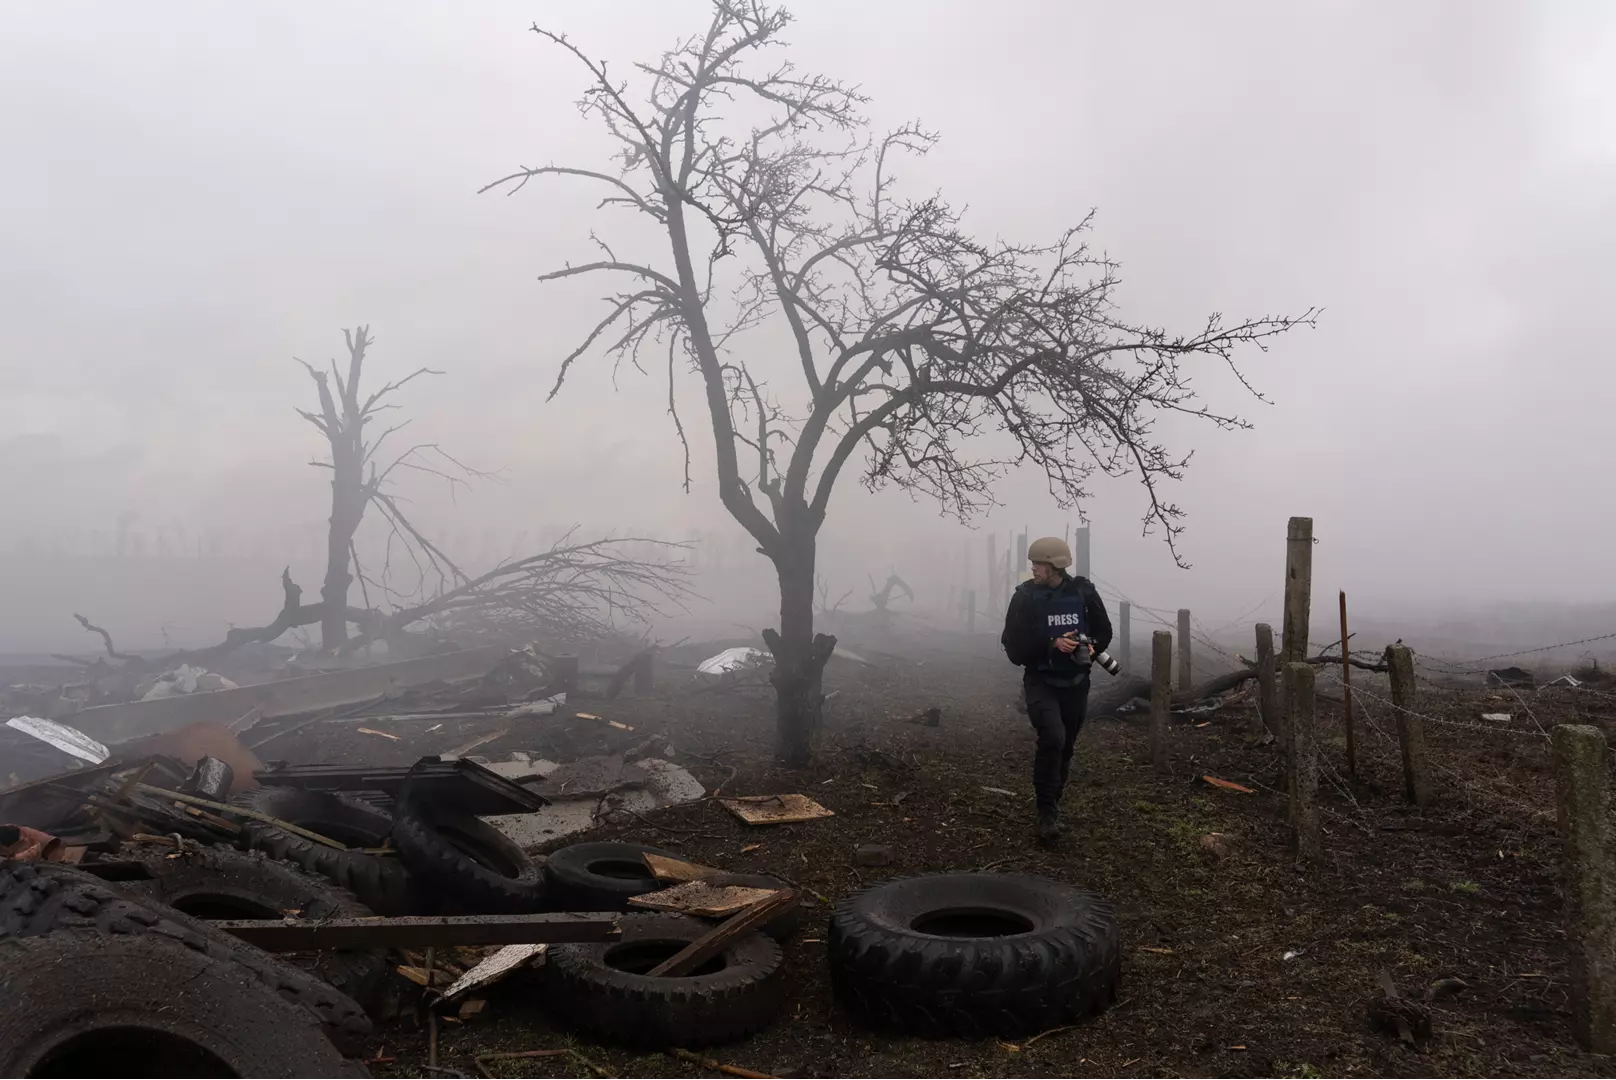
(330, 898)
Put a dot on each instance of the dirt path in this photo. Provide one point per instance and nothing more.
(1235, 964)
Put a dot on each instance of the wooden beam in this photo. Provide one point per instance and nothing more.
(413, 932)
(720, 937)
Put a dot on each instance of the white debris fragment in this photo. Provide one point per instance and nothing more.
(186, 679)
(66, 739)
(736, 659)
(1497, 717)
(669, 784)
(494, 968)
(542, 707)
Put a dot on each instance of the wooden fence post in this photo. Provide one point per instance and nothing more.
(1346, 690)
(1267, 687)
(1298, 589)
(1306, 839)
(1124, 635)
(1186, 674)
(1081, 553)
(1410, 726)
(1161, 695)
(1580, 773)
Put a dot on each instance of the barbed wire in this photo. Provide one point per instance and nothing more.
(1465, 785)
(1360, 691)
(1465, 666)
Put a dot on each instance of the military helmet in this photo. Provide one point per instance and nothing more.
(1051, 550)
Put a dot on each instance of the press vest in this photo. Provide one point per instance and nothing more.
(1057, 614)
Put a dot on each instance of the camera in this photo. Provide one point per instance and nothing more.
(1103, 659)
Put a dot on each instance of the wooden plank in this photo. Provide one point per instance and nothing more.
(718, 939)
(665, 869)
(775, 809)
(703, 899)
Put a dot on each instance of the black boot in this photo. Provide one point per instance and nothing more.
(1049, 826)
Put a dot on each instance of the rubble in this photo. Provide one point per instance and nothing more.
(664, 784)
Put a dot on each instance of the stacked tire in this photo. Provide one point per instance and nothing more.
(379, 882)
(97, 983)
(447, 862)
(221, 883)
(605, 989)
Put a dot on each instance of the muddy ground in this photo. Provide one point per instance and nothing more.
(1237, 964)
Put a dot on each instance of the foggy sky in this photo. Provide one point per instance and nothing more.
(196, 193)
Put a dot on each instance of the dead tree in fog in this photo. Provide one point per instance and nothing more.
(883, 596)
(574, 591)
(360, 480)
(909, 335)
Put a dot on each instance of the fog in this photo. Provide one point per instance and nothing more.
(197, 193)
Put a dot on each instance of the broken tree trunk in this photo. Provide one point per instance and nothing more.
(343, 426)
(1109, 698)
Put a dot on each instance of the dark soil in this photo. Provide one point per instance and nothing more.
(1237, 962)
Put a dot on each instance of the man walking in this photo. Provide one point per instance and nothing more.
(1047, 616)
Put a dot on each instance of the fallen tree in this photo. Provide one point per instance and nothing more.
(575, 591)
(1110, 698)
(572, 592)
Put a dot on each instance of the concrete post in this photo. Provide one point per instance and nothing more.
(1410, 726)
(1306, 838)
(970, 612)
(1186, 668)
(1124, 635)
(1161, 696)
(1081, 552)
(1581, 771)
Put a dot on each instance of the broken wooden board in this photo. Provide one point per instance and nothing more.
(775, 809)
(495, 967)
(703, 899)
(665, 869)
(1227, 785)
(716, 940)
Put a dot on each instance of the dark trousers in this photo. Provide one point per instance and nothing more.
(1057, 714)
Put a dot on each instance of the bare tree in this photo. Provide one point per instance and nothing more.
(574, 591)
(909, 335)
(360, 480)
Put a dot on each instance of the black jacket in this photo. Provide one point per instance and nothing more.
(1027, 644)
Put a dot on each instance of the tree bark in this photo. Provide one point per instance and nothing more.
(800, 654)
(347, 507)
